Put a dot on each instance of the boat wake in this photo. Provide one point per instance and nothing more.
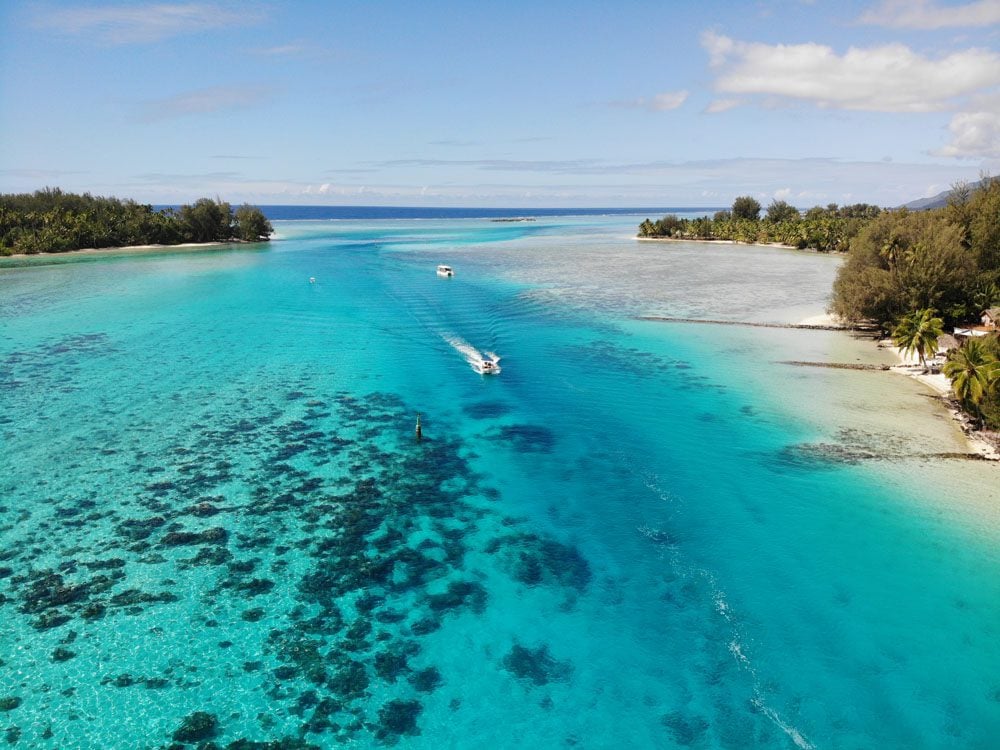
(724, 610)
(477, 360)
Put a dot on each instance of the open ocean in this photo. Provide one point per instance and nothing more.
(216, 525)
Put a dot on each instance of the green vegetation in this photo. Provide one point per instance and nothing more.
(905, 266)
(910, 272)
(974, 371)
(746, 208)
(947, 259)
(51, 221)
(918, 333)
(828, 229)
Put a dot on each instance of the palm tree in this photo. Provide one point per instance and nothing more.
(972, 371)
(918, 332)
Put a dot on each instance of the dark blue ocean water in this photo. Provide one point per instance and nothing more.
(216, 524)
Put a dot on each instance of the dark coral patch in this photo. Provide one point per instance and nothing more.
(425, 680)
(62, 654)
(390, 664)
(533, 559)
(196, 727)
(397, 718)
(685, 730)
(537, 665)
(351, 681)
(486, 409)
(528, 438)
(214, 535)
(459, 594)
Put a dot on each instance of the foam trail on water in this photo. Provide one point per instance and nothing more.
(472, 355)
(725, 611)
(736, 649)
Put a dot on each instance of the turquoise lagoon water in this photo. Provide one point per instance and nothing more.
(216, 525)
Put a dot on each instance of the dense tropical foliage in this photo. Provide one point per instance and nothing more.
(947, 259)
(826, 229)
(51, 221)
(974, 371)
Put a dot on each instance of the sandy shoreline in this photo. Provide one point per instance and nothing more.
(717, 242)
(827, 320)
(939, 383)
(125, 249)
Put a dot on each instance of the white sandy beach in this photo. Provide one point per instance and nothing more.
(128, 249)
(715, 242)
(826, 319)
(909, 365)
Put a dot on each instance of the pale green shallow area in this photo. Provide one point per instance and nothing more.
(640, 534)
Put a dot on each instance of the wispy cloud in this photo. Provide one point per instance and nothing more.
(888, 78)
(141, 23)
(722, 105)
(657, 103)
(184, 178)
(927, 14)
(281, 50)
(454, 142)
(364, 170)
(695, 182)
(40, 174)
(825, 175)
(499, 165)
(206, 101)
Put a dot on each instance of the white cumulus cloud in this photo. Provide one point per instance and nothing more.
(887, 78)
(926, 14)
(975, 133)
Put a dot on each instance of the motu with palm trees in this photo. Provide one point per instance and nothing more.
(51, 221)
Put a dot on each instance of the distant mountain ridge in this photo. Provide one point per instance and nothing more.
(941, 199)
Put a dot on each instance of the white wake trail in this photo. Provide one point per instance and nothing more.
(471, 354)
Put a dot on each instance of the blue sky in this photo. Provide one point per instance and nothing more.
(503, 104)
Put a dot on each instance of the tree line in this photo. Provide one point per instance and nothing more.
(909, 272)
(945, 259)
(916, 272)
(51, 221)
(828, 229)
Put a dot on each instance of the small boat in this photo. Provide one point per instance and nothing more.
(445, 271)
(487, 367)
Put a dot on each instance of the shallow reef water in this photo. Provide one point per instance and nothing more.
(218, 528)
(300, 548)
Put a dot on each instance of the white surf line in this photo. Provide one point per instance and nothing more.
(650, 480)
(736, 649)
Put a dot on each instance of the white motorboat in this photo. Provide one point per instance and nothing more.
(445, 271)
(487, 367)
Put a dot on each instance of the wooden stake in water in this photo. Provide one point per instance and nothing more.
(419, 431)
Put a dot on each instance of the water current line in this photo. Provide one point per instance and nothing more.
(723, 609)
